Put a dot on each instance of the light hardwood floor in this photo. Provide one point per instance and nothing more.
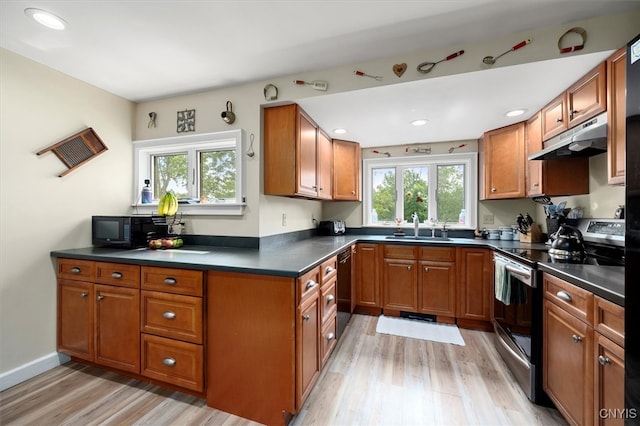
(371, 379)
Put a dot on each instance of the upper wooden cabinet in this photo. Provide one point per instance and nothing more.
(502, 163)
(567, 177)
(616, 115)
(324, 166)
(346, 170)
(585, 99)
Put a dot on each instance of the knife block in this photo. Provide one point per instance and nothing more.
(533, 235)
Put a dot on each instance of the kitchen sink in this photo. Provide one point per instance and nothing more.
(421, 238)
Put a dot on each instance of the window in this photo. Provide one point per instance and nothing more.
(436, 188)
(204, 171)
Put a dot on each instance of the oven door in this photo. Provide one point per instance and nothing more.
(514, 318)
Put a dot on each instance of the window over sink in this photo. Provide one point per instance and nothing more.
(204, 171)
(435, 187)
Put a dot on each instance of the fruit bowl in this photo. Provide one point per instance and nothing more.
(165, 243)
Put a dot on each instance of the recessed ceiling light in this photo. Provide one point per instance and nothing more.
(339, 131)
(515, 112)
(420, 122)
(47, 19)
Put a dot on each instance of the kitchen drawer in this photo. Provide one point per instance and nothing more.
(328, 269)
(170, 280)
(172, 315)
(328, 339)
(573, 299)
(173, 361)
(328, 299)
(609, 320)
(79, 270)
(439, 254)
(308, 284)
(396, 251)
(118, 274)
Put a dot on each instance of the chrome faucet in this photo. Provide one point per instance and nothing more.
(416, 224)
(444, 230)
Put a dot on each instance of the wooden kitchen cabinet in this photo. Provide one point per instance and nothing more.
(346, 170)
(400, 284)
(76, 303)
(324, 166)
(475, 286)
(616, 116)
(437, 281)
(608, 381)
(587, 97)
(552, 177)
(308, 350)
(367, 278)
(554, 117)
(502, 163)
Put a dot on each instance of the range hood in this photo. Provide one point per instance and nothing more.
(585, 140)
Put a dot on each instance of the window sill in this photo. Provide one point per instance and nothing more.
(220, 209)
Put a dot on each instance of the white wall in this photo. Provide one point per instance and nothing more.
(39, 211)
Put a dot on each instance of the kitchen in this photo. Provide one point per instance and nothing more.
(100, 184)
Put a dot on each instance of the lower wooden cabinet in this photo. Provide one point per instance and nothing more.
(609, 382)
(475, 284)
(76, 303)
(400, 288)
(308, 351)
(366, 276)
(437, 288)
(173, 361)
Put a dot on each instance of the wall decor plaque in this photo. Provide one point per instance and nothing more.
(186, 121)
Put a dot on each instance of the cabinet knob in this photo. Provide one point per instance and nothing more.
(563, 295)
(100, 297)
(573, 112)
(426, 269)
(576, 338)
(306, 317)
(169, 362)
(493, 190)
(536, 185)
(330, 337)
(321, 189)
(558, 120)
(75, 270)
(409, 267)
(83, 294)
(603, 360)
(170, 281)
(310, 284)
(116, 275)
(329, 270)
(353, 192)
(330, 298)
(169, 315)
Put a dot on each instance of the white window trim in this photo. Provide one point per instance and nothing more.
(470, 161)
(144, 149)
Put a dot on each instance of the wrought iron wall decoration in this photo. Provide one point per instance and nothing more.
(186, 121)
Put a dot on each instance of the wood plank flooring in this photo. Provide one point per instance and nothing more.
(371, 379)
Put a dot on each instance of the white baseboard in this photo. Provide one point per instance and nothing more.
(31, 369)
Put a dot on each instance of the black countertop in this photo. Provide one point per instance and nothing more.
(294, 259)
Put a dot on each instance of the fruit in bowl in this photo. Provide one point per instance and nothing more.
(165, 243)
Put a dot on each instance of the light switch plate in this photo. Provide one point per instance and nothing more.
(487, 219)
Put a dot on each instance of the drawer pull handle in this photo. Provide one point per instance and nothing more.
(169, 315)
(493, 189)
(169, 362)
(100, 297)
(329, 270)
(330, 298)
(330, 337)
(116, 275)
(170, 281)
(75, 270)
(426, 269)
(310, 284)
(558, 120)
(564, 296)
(573, 112)
(306, 317)
(576, 338)
(603, 360)
(84, 294)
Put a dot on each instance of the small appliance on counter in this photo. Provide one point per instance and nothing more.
(332, 227)
(127, 232)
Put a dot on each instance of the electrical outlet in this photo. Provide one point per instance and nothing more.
(487, 219)
(284, 219)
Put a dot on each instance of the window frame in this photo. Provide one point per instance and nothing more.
(144, 150)
(468, 159)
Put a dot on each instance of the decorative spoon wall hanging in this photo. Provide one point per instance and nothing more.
(363, 74)
(426, 67)
(490, 60)
(315, 84)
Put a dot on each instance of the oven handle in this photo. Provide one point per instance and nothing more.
(525, 274)
(502, 338)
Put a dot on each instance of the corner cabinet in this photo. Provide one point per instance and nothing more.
(502, 163)
(616, 116)
(346, 170)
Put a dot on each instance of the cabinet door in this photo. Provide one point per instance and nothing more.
(75, 318)
(117, 327)
(366, 268)
(400, 284)
(346, 170)
(475, 275)
(437, 288)
(504, 162)
(554, 117)
(588, 96)
(324, 168)
(616, 115)
(308, 350)
(533, 138)
(568, 363)
(609, 382)
(306, 157)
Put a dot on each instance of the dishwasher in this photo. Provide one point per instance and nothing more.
(345, 293)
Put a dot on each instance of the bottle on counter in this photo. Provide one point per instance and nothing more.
(374, 216)
(462, 218)
(147, 194)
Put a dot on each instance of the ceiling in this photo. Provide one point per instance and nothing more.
(145, 49)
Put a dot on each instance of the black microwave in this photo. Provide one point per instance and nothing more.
(125, 231)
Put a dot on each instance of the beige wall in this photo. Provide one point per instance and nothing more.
(41, 212)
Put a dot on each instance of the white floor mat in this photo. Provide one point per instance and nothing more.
(418, 329)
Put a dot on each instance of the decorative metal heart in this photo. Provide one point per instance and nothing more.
(399, 69)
